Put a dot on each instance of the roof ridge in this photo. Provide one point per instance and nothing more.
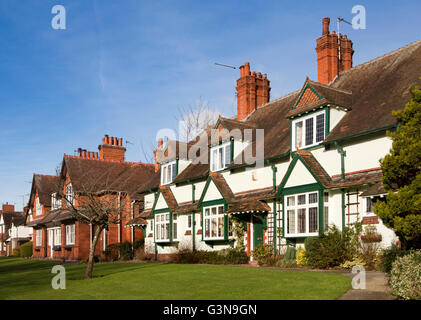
(414, 43)
(45, 175)
(110, 161)
(270, 102)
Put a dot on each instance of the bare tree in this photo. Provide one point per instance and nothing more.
(194, 119)
(97, 203)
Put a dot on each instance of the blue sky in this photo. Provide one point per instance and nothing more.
(125, 67)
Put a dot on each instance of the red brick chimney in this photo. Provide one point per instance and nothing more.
(253, 90)
(111, 149)
(8, 207)
(156, 155)
(329, 60)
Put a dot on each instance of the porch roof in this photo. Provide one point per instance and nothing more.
(250, 206)
(137, 221)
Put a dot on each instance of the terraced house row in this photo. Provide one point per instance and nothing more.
(319, 166)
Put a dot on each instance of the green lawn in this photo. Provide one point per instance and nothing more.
(29, 279)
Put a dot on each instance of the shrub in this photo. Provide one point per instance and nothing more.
(301, 257)
(368, 254)
(286, 263)
(332, 248)
(388, 256)
(111, 252)
(126, 250)
(16, 252)
(26, 250)
(262, 253)
(352, 263)
(405, 276)
(226, 256)
(138, 244)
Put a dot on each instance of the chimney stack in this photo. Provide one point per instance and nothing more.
(253, 90)
(8, 207)
(334, 54)
(156, 154)
(111, 149)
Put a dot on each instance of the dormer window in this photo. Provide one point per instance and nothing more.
(220, 157)
(309, 130)
(55, 202)
(70, 196)
(168, 172)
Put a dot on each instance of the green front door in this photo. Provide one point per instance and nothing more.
(257, 232)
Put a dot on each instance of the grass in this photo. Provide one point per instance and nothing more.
(31, 279)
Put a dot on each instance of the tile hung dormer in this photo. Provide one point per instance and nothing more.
(316, 112)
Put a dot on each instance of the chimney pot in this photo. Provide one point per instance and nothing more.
(246, 69)
(326, 22)
(120, 142)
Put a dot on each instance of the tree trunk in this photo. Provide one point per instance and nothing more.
(90, 268)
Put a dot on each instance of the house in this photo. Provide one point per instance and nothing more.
(13, 231)
(314, 165)
(58, 233)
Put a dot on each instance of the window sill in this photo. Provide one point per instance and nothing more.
(57, 248)
(302, 235)
(188, 233)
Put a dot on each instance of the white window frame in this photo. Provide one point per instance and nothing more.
(162, 226)
(365, 206)
(215, 164)
(209, 215)
(70, 195)
(55, 203)
(56, 232)
(38, 207)
(70, 234)
(174, 227)
(38, 237)
(296, 207)
(304, 128)
(165, 169)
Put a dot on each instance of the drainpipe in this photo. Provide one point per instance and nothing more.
(342, 152)
(119, 217)
(274, 228)
(274, 169)
(192, 219)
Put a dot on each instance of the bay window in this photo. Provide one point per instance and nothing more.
(309, 130)
(162, 227)
(168, 172)
(302, 214)
(214, 222)
(220, 157)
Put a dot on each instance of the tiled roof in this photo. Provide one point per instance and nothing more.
(17, 218)
(222, 186)
(52, 216)
(315, 167)
(358, 178)
(94, 175)
(169, 197)
(45, 185)
(249, 206)
(139, 221)
(374, 190)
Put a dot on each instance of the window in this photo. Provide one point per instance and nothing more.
(57, 236)
(310, 130)
(168, 172)
(70, 234)
(55, 202)
(38, 238)
(38, 207)
(174, 227)
(189, 222)
(302, 213)
(70, 196)
(214, 222)
(162, 227)
(368, 205)
(221, 157)
(326, 211)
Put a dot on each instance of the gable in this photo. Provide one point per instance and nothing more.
(161, 203)
(299, 176)
(211, 192)
(307, 96)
